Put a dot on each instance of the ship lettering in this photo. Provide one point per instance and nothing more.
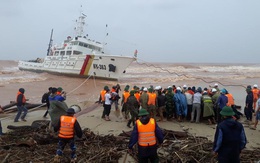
(99, 66)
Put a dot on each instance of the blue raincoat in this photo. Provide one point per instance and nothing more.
(180, 103)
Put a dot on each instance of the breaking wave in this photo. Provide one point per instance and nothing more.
(12, 74)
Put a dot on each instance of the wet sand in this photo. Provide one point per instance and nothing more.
(84, 92)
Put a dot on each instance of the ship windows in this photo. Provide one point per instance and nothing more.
(81, 44)
(68, 53)
(76, 52)
(62, 53)
(75, 43)
(56, 53)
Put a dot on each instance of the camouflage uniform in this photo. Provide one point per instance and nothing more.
(169, 103)
(144, 100)
(132, 107)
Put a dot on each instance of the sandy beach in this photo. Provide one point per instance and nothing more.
(87, 94)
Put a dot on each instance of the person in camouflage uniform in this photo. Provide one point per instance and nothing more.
(144, 99)
(169, 103)
(132, 107)
(215, 95)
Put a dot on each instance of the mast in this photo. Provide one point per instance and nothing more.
(80, 25)
(50, 43)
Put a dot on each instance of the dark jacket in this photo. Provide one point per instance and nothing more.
(161, 100)
(150, 150)
(77, 128)
(222, 101)
(45, 98)
(249, 99)
(20, 97)
(132, 103)
(229, 139)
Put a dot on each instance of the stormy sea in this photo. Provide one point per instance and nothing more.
(233, 77)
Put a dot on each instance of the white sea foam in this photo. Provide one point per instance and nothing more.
(14, 75)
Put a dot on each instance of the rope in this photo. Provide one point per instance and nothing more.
(67, 93)
(213, 81)
(80, 84)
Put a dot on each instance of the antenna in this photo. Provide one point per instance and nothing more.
(79, 29)
(50, 43)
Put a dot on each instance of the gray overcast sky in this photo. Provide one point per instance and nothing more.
(212, 31)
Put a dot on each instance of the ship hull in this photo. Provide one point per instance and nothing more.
(99, 66)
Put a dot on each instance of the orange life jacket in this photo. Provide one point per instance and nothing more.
(230, 99)
(24, 99)
(151, 99)
(255, 93)
(146, 133)
(137, 96)
(126, 95)
(67, 126)
(113, 90)
(102, 94)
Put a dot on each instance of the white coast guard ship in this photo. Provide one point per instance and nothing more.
(79, 56)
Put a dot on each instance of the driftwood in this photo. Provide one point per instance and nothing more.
(38, 144)
(12, 103)
(168, 134)
(10, 107)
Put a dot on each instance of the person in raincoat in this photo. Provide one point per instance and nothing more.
(208, 111)
(180, 104)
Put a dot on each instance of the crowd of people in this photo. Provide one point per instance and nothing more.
(153, 104)
(182, 103)
(144, 107)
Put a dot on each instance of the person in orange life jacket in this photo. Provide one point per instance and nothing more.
(102, 99)
(67, 126)
(21, 100)
(257, 113)
(102, 95)
(231, 103)
(59, 90)
(152, 102)
(255, 95)
(107, 105)
(147, 134)
(61, 95)
(45, 99)
(137, 96)
(125, 95)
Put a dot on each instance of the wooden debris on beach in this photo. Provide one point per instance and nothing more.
(11, 107)
(39, 144)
